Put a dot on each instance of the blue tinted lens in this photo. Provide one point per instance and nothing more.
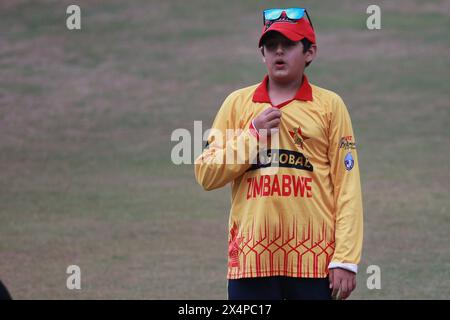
(291, 13)
(295, 13)
(272, 14)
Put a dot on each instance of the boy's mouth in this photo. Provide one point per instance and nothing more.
(279, 63)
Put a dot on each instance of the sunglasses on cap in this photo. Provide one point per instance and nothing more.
(290, 14)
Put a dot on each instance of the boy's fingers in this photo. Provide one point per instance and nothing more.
(271, 117)
(336, 287)
(350, 287)
(273, 114)
(334, 292)
(344, 289)
(272, 109)
(273, 124)
(330, 278)
(351, 284)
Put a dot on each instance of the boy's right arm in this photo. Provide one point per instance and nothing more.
(228, 157)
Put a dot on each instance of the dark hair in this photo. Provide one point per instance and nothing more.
(306, 45)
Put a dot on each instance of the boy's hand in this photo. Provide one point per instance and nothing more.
(343, 280)
(269, 119)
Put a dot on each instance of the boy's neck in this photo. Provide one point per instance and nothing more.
(280, 92)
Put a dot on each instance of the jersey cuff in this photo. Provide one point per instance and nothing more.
(253, 130)
(347, 266)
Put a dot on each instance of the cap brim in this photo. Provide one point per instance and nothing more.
(278, 27)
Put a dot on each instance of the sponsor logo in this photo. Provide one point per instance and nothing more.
(282, 158)
(347, 143)
(348, 161)
(298, 137)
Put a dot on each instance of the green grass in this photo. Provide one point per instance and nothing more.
(86, 119)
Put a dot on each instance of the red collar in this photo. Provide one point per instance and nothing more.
(304, 93)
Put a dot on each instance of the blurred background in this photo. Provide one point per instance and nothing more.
(86, 117)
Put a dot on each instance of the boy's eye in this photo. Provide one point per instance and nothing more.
(271, 45)
(288, 44)
(284, 44)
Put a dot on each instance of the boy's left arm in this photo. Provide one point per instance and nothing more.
(344, 170)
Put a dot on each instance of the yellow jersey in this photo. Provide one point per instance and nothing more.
(296, 210)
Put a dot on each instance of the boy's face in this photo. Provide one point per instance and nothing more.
(284, 58)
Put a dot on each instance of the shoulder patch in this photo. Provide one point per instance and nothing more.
(349, 162)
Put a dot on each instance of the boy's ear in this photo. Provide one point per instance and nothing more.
(311, 53)
(263, 57)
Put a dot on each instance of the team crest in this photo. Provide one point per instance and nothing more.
(298, 136)
(349, 162)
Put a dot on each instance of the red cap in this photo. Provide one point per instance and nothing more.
(294, 31)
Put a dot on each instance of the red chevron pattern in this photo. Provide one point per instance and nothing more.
(275, 250)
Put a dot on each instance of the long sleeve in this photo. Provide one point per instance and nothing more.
(228, 154)
(345, 177)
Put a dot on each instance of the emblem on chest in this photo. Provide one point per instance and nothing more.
(298, 137)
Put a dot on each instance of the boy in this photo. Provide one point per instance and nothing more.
(296, 233)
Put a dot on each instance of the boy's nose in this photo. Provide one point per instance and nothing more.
(280, 48)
